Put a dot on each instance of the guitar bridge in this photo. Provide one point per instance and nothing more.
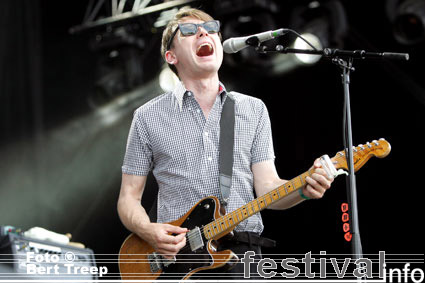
(158, 262)
(194, 237)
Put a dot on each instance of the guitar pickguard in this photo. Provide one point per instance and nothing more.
(188, 260)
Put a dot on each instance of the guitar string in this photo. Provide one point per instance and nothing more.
(234, 214)
(222, 219)
(217, 222)
(237, 212)
(255, 210)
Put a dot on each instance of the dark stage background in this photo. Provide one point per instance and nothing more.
(65, 112)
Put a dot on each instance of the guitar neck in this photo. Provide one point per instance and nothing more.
(223, 225)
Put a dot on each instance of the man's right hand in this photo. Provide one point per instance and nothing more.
(160, 237)
(134, 217)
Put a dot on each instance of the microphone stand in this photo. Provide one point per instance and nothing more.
(344, 59)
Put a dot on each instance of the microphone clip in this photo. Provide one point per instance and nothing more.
(261, 49)
(253, 41)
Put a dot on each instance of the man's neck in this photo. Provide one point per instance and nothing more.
(205, 91)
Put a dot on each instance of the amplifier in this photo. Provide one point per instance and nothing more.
(26, 258)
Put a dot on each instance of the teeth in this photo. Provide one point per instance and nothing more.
(204, 44)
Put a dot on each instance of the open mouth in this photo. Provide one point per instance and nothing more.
(205, 49)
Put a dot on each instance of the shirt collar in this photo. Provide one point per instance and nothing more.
(180, 90)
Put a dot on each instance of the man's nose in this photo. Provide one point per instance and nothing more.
(202, 32)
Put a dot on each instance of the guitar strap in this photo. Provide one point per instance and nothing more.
(227, 135)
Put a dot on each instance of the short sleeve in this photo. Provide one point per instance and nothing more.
(262, 147)
(138, 155)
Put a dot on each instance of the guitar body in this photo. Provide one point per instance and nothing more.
(138, 261)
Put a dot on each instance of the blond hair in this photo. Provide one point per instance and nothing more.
(172, 25)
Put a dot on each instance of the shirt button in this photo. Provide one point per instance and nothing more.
(206, 134)
(209, 158)
(190, 108)
(197, 110)
(189, 93)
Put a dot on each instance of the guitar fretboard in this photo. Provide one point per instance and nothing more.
(226, 223)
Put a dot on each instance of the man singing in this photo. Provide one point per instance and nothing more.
(176, 135)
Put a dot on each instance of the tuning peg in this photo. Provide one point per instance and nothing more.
(369, 145)
(375, 142)
(361, 146)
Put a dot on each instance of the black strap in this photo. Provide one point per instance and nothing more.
(227, 134)
(252, 238)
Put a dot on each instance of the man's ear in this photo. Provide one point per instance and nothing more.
(170, 57)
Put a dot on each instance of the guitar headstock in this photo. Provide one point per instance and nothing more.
(362, 153)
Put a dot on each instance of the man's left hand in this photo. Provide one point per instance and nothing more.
(318, 183)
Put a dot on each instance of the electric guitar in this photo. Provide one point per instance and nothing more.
(139, 261)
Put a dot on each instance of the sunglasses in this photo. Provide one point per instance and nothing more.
(188, 29)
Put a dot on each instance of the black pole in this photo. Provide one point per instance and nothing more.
(356, 245)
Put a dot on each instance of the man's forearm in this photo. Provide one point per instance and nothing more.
(132, 215)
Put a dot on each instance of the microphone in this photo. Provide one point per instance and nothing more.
(236, 44)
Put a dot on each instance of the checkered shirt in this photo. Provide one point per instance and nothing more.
(171, 136)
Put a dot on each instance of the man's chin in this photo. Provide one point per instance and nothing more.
(210, 58)
(209, 62)
(209, 66)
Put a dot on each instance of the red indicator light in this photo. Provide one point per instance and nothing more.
(345, 217)
(346, 227)
(348, 236)
(344, 207)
